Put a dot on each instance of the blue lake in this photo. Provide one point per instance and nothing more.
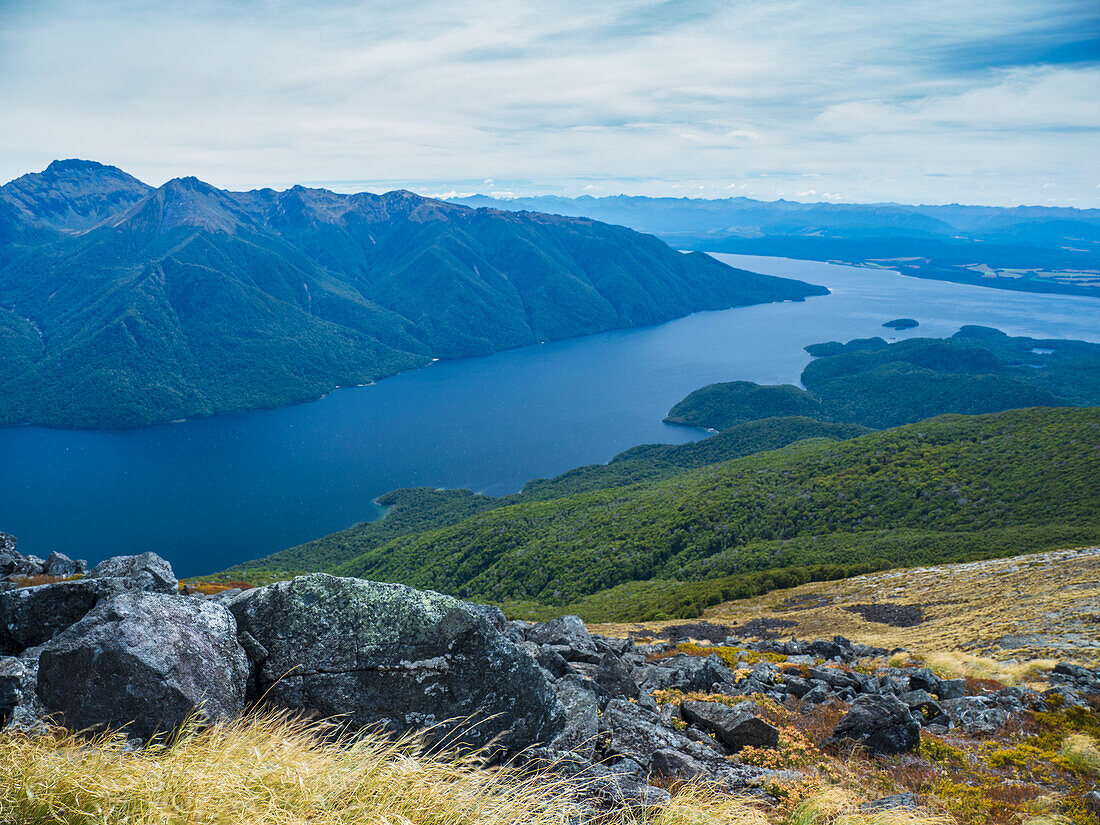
(208, 493)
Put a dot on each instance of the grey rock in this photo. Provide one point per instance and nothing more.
(58, 564)
(582, 717)
(686, 673)
(924, 706)
(19, 705)
(921, 678)
(635, 732)
(28, 566)
(146, 571)
(975, 715)
(492, 613)
(614, 678)
(797, 686)
(516, 631)
(952, 688)
(568, 631)
(834, 677)
(402, 658)
(895, 802)
(145, 661)
(881, 724)
(736, 726)
(550, 660)
(672, 764)
(32, 616)
(818, 694)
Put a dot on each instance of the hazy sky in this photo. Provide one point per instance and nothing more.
(930, 101)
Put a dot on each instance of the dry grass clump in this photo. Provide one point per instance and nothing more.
(42, 578)
(1081, 752)
(836, 806)
(952, 663)
(273, 769)
(268, 768)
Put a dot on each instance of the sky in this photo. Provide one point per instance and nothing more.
(925, 101)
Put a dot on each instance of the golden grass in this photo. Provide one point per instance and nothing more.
(1082, 752)
(1027, 607)
(273, 769)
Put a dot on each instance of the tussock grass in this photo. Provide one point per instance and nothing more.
(952, 663)
(836, 806)
(1082, 753)
(277, 770)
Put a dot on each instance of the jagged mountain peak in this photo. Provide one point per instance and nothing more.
(185, 202)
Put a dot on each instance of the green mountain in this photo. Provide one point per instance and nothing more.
(876, 384)
(121, 305)
(950, 488)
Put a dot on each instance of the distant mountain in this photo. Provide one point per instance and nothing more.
(1028, 248)
(123, 305)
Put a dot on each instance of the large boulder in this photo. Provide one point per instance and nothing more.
(880, 723)
(385, 654)
(146, 571)
(32, 616)
(737, 727)
(144, 661)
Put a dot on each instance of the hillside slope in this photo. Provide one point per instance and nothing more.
(121, 305)
(937, 490)
(424, 508)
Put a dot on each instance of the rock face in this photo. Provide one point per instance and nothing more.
(881, 724)
(146, 661)
(387, 654)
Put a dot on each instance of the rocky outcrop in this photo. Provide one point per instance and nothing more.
(385, 654)
(881, 724)
(144, 661)
(147, 571)
(736, 727)
(31, 616)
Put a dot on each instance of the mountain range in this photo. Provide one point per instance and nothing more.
(1028, 248)
(124, 305)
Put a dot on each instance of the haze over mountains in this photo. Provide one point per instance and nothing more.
(1029, 248)
(124, 305)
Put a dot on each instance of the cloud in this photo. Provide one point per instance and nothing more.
(931, 101)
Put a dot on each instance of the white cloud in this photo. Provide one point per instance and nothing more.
(861, 96)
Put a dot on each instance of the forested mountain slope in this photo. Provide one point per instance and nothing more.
(424, 508)
(876, 384)
(121, 305)
(943, 489)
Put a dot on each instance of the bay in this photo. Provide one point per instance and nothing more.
(208, 493)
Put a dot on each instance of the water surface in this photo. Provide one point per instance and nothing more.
(211, 492)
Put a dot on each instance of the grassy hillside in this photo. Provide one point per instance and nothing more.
(876, 384)
(424, 508)
(940, 490)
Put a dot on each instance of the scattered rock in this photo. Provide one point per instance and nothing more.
(145, 661)
(58, 564)
(147, 571)
(895, 802)
(879, 723)
(895, 615)
(736, 726)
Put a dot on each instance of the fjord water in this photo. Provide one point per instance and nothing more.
(208, 493)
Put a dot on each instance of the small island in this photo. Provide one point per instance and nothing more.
(902, 323)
